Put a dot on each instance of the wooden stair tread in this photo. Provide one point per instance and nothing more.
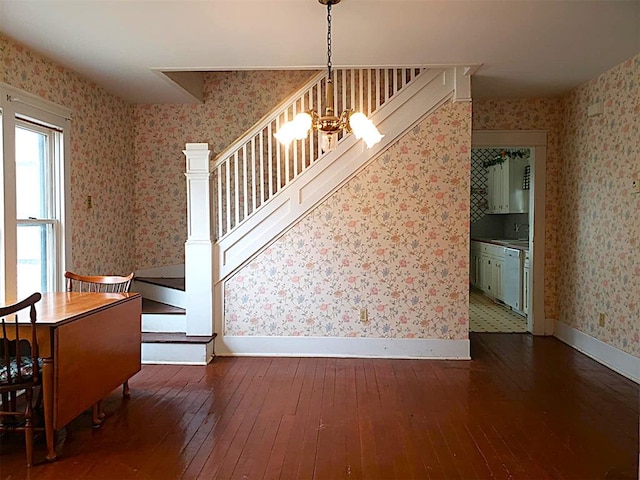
(153, 307)
(148, 337)
(176, 283)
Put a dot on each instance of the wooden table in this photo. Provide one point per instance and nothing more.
(90, 344)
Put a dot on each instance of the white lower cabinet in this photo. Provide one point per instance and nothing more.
(486, 272)
(487, 263)
(491, 274)
(475, 267)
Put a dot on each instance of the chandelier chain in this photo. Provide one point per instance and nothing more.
(329, 64)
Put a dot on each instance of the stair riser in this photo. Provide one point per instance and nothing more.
(161, 323)
(177, 353)
(159, 293)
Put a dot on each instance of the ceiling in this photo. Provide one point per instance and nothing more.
(526, 48)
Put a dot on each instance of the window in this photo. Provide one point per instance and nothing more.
(37, 157)
(35, 230)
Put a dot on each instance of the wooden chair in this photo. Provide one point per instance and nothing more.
(100, 284)
(19, 370)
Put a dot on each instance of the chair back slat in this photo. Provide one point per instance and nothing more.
(98, 283)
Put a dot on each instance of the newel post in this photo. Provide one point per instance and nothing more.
(198, 263)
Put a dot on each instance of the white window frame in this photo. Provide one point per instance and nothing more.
(17, 105)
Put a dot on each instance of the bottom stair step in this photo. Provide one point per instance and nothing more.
(162, 318)
(177, 348)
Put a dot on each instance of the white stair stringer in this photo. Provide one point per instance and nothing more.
(161, 294)
(395, 117)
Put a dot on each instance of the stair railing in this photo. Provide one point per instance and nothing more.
(256, 167)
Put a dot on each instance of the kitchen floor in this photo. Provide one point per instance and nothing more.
(485, 315)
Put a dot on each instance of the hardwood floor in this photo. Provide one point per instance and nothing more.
(524, 407)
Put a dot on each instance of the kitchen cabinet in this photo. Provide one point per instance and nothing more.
(495, 194)
(474, 265)
(505, 192)
(491, 275)
(486, 266)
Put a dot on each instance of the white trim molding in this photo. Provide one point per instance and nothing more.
(617, 360)
(343, 347)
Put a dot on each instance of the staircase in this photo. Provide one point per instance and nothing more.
(257, 189)
(164, 323)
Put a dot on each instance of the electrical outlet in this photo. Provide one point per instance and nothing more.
(601, 320)
(364, 315)
(89, 202)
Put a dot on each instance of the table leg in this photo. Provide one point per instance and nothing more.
(47, 398)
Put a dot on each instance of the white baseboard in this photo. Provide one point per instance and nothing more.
(170, 271)
(617, 360)
(342, 347)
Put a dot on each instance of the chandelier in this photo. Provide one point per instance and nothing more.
(329, 125)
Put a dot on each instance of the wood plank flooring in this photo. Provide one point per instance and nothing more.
(524, 408)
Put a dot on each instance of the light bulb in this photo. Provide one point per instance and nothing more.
(296, 129)
(363, 128)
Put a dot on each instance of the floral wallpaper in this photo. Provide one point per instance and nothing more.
(393, 240)
(101, 152)
(599, 268)
(533, 114)
(234, 101)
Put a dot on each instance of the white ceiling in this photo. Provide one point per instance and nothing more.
(527, 48)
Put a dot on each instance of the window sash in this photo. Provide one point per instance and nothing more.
(48, 188)
(37, 256)
(38, 261)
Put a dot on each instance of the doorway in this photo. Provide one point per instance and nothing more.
(536, 142)
(499, 231)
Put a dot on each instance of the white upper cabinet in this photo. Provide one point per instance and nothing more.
(505, 186)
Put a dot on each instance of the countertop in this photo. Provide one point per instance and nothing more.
(511, 243)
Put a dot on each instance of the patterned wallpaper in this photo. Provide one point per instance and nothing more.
(533, 114)
(101, 152)
(234, 101)
(597, 220)
(394, 240)
(599, 215)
